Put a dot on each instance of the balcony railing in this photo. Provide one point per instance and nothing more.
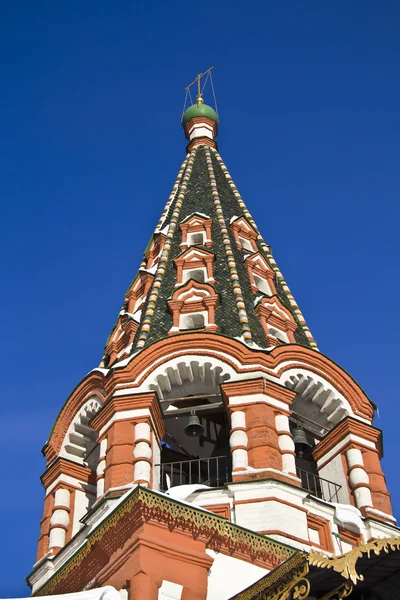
(318, 486)
(214, 471)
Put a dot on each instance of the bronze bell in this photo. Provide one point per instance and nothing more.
(194, 428)
(301, 443)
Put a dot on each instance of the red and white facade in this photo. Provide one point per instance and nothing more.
(118, 511)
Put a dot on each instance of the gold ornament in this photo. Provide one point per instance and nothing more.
(339, 593)
(346, 563)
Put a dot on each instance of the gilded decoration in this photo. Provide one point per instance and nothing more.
(345, 564)
(289, 578)
(339, 593)
(142, 506)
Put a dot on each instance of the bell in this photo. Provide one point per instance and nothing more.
(194, 428)
(301, 442)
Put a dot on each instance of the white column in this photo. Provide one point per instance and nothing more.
(101, 467)
(142, 454)
(286, 444)
(59, 521)
(358, 478)
(238, 441)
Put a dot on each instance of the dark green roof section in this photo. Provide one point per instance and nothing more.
(198, 201)
(197, 197)
(232, 209)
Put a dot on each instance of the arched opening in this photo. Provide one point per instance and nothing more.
(195, 449)
(189, 392)
(316, 409)
(80, 446)
(80, 443)
(316, 400)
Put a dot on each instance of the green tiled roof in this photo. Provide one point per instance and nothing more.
(195, 191)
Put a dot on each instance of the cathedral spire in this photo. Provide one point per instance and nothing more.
(206, 238)
(211, 391)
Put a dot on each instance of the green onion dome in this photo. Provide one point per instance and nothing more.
(199, 110)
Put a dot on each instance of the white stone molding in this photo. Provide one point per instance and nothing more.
(316, 398)
(201, 129)
(286, 444)
(59, 520)
(101, 467)
(358, 478)
(81, 438)
(194, 375)
(238, 441)
(142, 450)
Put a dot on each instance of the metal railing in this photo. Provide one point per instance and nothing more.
(318, 486)
(214, 471)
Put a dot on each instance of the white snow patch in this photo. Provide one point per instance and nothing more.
(137, 316)
(350, 515)
(198, 214)
(99, 370)
(181, 492)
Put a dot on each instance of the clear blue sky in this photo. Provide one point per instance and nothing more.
(90, 144)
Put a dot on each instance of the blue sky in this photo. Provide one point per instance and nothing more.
(90, 145)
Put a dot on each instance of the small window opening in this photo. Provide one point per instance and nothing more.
(262, 285)
(196, 274)
(245, 243)
(193, 321)
(281, 336)
(138, 304)
(196, 238)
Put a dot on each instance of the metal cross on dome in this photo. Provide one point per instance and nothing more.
(200, 89)
(199, 99)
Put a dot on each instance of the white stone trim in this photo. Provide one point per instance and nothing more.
(336, 449)
(379, 513)
(238, 437)
(123, 415)
(253, 398)
(59, 520)
(142, 449)
(91, 489)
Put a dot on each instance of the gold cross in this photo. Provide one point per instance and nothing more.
(199, 99)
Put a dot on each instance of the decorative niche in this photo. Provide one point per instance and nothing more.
(193, 307)
(196, 231)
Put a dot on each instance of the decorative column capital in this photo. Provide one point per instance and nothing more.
(133, 402)
(251, 391)
(349, 433)
(63, 466)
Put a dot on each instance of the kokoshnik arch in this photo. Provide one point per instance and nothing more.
(214, 440)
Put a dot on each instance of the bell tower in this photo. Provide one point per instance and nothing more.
(214, 439)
